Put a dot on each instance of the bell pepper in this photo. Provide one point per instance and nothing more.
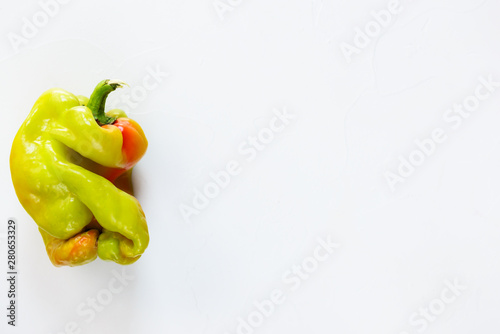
(71, 165)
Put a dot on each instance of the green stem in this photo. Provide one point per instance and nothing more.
(98, 100)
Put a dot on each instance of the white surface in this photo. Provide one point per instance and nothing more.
(323, 175)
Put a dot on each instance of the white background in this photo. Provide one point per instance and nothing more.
(323, 176)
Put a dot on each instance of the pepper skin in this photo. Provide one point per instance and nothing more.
(71, 167)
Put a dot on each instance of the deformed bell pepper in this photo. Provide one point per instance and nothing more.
(71, 167)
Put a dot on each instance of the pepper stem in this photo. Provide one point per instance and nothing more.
(98, 100)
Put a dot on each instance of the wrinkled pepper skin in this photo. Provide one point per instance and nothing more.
(72, 174)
